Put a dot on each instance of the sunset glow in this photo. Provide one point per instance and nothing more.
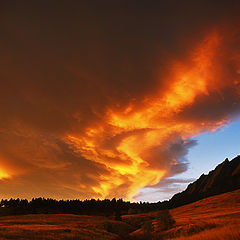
(3, 174)
(106, 100)
(152, 124)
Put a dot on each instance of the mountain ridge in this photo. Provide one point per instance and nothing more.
(224, 178)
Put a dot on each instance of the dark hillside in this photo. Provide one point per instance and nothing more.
(224, 178)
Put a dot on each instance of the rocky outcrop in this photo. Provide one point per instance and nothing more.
(224, 178)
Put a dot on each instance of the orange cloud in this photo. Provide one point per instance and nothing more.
(141, 130)
(97, 103)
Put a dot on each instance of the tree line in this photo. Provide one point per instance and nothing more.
(104, 207)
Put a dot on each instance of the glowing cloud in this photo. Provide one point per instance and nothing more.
(3, 174)
(101, 100)
(152, 125)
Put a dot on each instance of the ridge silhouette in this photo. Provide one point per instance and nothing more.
(224, 178)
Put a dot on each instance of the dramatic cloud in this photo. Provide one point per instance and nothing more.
(102, 99)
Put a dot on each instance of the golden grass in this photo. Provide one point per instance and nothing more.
(149, 224)
(219, 233)
(214, 218)
(61, 226)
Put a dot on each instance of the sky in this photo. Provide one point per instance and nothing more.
(125, 99)
(211, 149)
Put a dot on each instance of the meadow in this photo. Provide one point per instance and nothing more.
(214, 218)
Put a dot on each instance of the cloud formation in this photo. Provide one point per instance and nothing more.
(101, 100)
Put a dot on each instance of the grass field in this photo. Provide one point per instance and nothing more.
(212, 218)
(217, 217)
(61, 226)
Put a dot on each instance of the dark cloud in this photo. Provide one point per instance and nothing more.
(166, 182)
(163, 190)
(170, 155)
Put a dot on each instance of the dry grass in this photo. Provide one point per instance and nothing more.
(219, 233)
(149, 225)
(61, 226)
(213, 218)
(137, 220)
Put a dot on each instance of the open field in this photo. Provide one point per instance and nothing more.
(61, 226)
(217, 217)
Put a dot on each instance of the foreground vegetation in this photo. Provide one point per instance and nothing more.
(214, 218)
